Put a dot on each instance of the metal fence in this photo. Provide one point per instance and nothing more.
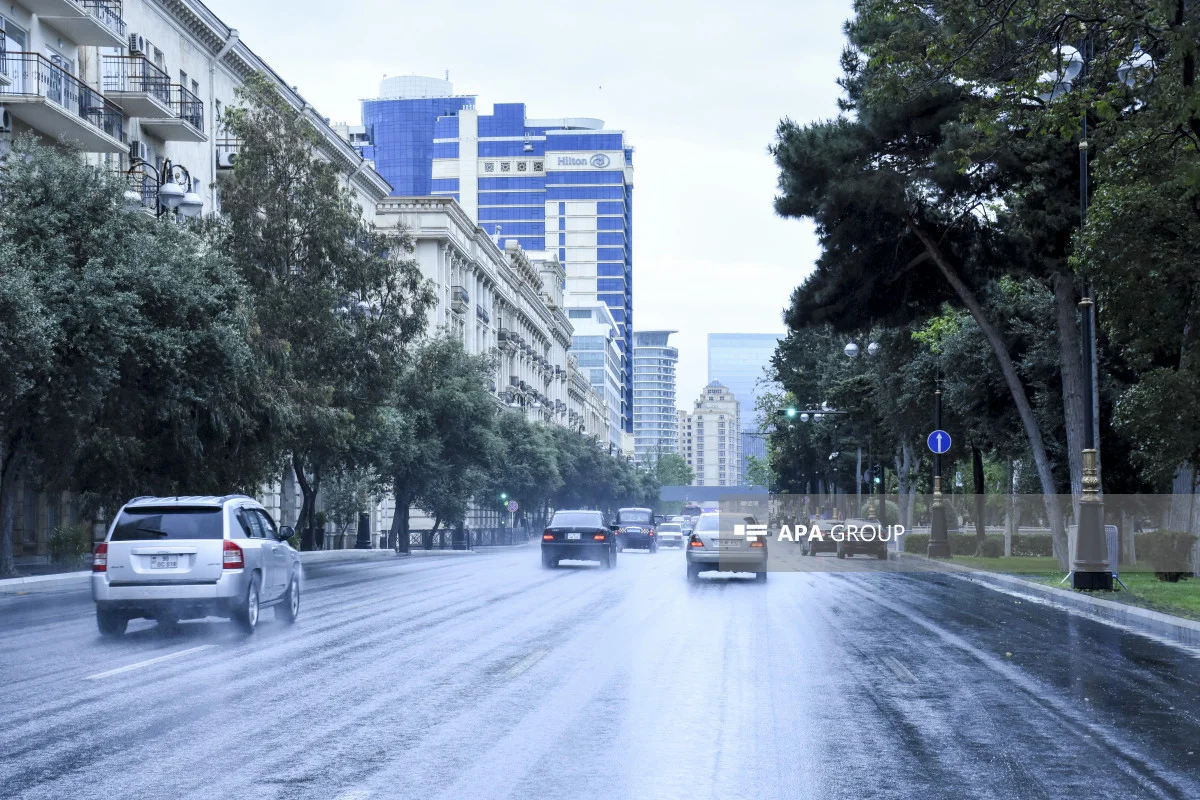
(33, 74)
(469, 539)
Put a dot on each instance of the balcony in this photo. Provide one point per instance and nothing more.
(185, 119)
(505, 339)
(459, 299)
(482, 315)
(95, 22)
(52, 101)
(137, 86)
(514, 381)
(4, 79)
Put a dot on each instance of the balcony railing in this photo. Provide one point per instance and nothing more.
(125, 74)
(187, 106)
(106, 13)
(33, 75)
(459, 299)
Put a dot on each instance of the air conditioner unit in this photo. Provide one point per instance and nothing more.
(137, 44)
(226, 159)
(5, 121)
(138, 151)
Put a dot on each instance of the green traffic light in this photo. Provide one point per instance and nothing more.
(791, 412)
(504, 495)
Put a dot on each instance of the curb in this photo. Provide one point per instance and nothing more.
(1144, 620)
(81, 581)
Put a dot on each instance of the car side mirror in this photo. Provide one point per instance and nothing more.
(286, 532)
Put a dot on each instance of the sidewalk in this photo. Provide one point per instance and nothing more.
(79, 581)
(1143, 620)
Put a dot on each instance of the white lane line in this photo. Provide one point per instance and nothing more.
(354, 794)
(525, 663)
(898, 668)
(146, 663)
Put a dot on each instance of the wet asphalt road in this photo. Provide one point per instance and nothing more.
(486, 676)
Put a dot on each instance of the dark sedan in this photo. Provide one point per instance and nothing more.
(635, 529)
(578, 536)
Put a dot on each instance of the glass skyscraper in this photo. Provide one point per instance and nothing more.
(655, 419)
(563, 184)
(739, 361)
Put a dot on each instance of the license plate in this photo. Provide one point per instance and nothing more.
(572, 535)
(727, 544)
(164, 562)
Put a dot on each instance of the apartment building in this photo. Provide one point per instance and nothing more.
(710, 437)
(140, 86)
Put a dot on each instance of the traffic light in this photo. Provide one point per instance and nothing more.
(791, 412)
(503, 496)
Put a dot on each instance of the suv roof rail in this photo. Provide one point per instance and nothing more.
(140, 498)
(235, 496)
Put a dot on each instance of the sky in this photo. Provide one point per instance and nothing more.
(698, 87)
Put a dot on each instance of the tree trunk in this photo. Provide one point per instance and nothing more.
(8, 508)
(399, 530)
(1020, 399)
(1070, 353)
(427, 537)
(980, 489)
(306, 505)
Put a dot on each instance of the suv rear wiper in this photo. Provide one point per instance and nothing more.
(160, 533)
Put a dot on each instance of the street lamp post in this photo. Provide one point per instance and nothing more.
(173, 185)
(939, 537)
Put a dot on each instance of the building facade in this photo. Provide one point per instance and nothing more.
(710, 437)
(596, 347)
(655, 427)
(740, 362)
(134, 85)
(563, 185)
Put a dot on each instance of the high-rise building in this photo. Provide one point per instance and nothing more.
(564, 185)
(710, 437)
(740, 361)
(598, 354)
(655, 426)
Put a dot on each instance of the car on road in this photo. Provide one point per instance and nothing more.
(670, 534)
(175, 558)
(857, 544)
(635, 529)
(578, 536)
(715, 544)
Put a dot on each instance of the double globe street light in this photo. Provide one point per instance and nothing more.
(172, 188)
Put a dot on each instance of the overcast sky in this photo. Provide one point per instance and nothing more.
(698, 86)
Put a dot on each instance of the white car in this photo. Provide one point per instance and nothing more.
(670, 534)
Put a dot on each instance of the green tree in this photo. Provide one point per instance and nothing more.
(525, 466)
(140, 329)
(337, 302)
(671, 469)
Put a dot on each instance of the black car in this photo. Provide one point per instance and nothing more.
(635, 529)
(578, 536)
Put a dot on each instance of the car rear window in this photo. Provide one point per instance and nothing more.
(634, 516)
(568, 519)
(708, 522)
(669, 527)
(175, 522)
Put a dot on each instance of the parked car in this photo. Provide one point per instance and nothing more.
(669, 534)
(175, 558)
(635, 529)
(714, 546)
(578, 535)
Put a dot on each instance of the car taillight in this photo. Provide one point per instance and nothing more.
(756, 543)
(233, 556)
(599, 537)
(100, 558)
(695, 542)
(548, 536)
(651, 532)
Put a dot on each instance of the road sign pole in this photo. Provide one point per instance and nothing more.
(939, 537)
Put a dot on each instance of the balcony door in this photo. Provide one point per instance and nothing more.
(13, 40)
(57, 79)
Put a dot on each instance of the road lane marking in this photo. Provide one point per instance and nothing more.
(146, 663)
(525, 663)
(354, 794)
(898, 668)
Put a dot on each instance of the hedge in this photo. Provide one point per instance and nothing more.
(963, 544)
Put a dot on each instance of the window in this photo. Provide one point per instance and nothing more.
(196, 87)
(171, 522)
(183, 78)
(537, 166)
(268, 524)
(251, 523)
(505, 166)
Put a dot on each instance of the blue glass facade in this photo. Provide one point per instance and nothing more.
(739, 360)
(401, 136)
(558, 185)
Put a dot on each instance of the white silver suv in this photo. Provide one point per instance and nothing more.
(173, 558)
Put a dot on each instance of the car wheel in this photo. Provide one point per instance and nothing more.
(882, 555)
(548, 561)
(111, 623)
(289, 607)
(693, 573)
(760, 577)
(246, 614)
(168, 624)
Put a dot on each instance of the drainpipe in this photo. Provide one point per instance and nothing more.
(212, 110)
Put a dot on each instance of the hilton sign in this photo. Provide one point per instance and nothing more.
(597, 161)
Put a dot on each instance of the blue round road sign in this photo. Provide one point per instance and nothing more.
(939, 442)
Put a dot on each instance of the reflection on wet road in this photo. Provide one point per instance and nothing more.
(488, 677)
